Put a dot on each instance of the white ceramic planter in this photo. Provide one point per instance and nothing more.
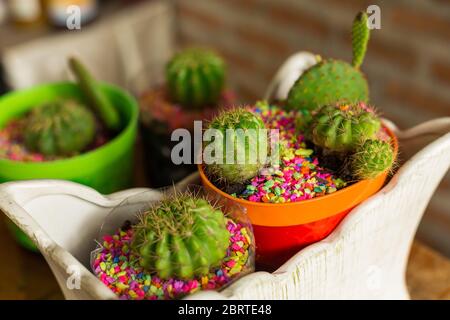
(364, 258)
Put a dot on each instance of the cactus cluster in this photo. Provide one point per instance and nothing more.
(331, 99)
(342, 127)
(195, 78)
(59, 128)
(360, 39)
(239, 137)
(331, 81)
(349, 132)
(182, 236)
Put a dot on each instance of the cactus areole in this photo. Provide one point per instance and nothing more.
(59, 128)
(183, 236)
(195, 78)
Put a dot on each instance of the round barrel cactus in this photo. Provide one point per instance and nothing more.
(195, 78)
(239, 135)
(183, 236)
(331, 81)
(372, 158)
(59, 128)
(340, 128)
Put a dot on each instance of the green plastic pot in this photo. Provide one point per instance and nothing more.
(106, 169)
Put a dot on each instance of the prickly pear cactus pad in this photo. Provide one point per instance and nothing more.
(228, 126)
(334, 81)
(59, 128)
(195, 78)
(327, 82)
(298, 176)
(178, 246)
(340, 128)
(360, 38)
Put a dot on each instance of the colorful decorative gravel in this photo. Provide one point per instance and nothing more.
(12, 147)
(118, 268)
(156, 106)
(299, 176)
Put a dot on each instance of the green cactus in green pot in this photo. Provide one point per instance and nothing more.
(330, 81)
(340, 128)
(195, 78)
(371, 159)
(183, 236)
(241, 138)
(59, 128)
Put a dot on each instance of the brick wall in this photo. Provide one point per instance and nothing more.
(408, 61)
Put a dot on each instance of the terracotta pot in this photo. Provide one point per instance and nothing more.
(282, 229)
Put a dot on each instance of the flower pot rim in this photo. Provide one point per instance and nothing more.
(321, 203)
(86, 156)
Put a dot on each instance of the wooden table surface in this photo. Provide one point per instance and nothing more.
(26, 275)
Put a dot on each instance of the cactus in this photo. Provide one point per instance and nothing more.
(372, 158)
(98, 101)
(183, 236)
(246, 149)
(59, 128)
(331, 81)
(360, 39)
(340, 128)
(195, 78)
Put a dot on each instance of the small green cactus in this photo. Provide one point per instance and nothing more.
(372, 158)
(246, 158)
(183, 236)
(331, 81)
(340, 128)
(59, 128)
(195, 78)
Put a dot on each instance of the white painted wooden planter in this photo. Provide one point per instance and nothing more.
(364, 258)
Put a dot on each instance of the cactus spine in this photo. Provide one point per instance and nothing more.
(372, 158)
(239, 137)
(334, 81)
(59, 128)
(183, 236)
(195, 78)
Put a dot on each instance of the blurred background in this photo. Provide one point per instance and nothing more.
(408, 60)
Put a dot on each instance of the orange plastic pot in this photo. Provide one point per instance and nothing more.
(282, 229)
